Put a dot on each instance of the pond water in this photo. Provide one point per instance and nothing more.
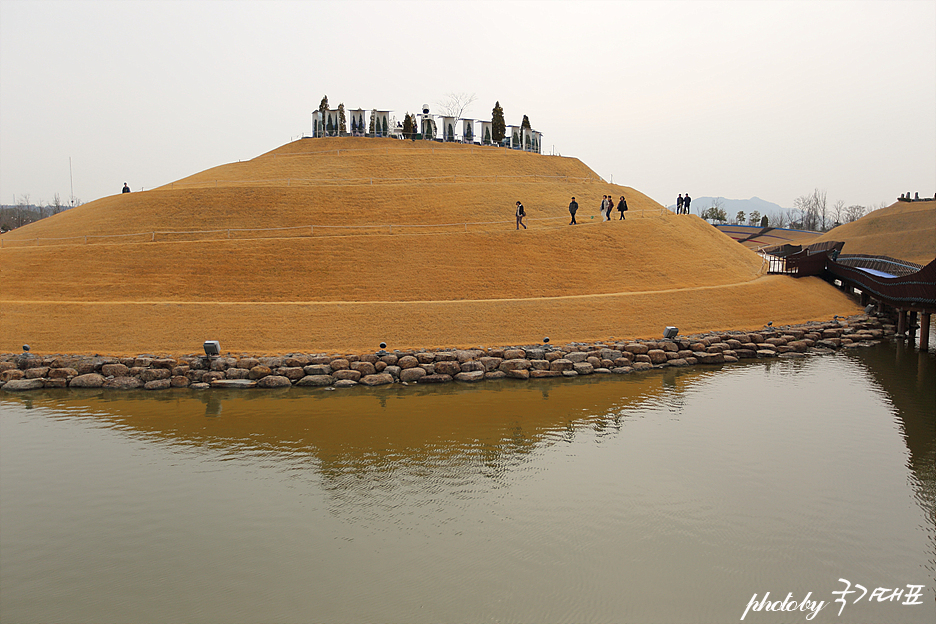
(670, 496)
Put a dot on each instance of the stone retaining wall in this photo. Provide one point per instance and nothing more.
(29, 372)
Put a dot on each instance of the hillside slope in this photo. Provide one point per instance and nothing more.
(346, 182)
(332, 243)
(903, 230)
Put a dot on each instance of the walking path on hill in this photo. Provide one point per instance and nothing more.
(304, 231)
(282, 327)
(426, 301)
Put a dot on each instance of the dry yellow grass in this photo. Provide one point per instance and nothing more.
(254, 194)
(177, 328)
(478, 281)
(641, 254)
(903, 230)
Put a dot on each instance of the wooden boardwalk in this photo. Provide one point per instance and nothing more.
(907, 287)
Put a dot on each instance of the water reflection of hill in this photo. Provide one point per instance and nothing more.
(374, 432)
(368, 441)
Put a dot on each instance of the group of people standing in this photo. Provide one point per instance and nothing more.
(607, 204)
(682, 204)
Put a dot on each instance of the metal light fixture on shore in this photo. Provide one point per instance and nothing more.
(546, 340)
(25, 348)
(670, 332)
(212, 348)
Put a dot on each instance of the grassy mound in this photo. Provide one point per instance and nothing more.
(326, 244)
(903, 230)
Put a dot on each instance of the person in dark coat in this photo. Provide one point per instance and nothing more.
(679, 204)
(685, 203)
(622, 207)
(573, 208)
(126, 189)
(520, 214)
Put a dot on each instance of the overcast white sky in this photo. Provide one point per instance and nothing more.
(731, 99)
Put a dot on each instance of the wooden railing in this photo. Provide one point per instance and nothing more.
(915, 290)
(884, 264)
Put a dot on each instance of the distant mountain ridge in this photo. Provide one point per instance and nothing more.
(732, 206)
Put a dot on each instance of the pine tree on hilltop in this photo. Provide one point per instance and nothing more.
(323, 114)
(498, 125)
(342, 123)
(407, 125)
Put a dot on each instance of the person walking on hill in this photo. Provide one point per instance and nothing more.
(573, 208)
(622, 207)
(604, 208)
(126, 189)
(610, 206)
(679, 201)
(685, 203)
(520, 215)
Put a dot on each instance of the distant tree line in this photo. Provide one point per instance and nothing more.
(812, 212)
(809, 212)
(25, 212)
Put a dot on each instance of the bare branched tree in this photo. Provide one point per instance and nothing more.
(779, 219)
(838, 211)
(853, 213)
(454, 104)
(813, 211)
(819, 208)
(801, 205)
